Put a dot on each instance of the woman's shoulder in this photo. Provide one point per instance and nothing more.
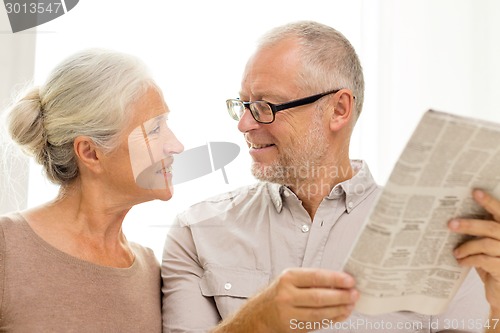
(12, 220)
(143, 253)
(12, 227)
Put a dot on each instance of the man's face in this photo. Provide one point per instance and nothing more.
(287, 150)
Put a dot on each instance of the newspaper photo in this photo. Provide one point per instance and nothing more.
(402, 259)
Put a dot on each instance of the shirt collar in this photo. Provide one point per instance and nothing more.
(355, 189)
(275, 191)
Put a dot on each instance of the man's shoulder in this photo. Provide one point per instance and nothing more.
(231, 195)
(243, 192)
(239, 199)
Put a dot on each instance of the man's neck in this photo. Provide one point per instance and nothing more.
(313, 190)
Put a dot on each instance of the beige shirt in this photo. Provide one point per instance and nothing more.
(225, 249)
(45, 290)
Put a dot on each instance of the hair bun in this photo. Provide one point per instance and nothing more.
(25, 124)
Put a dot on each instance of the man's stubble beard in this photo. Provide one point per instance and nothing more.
(298, 161)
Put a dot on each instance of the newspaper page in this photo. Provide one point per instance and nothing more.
(402, 260)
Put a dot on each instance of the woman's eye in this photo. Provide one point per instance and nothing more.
(156, 130)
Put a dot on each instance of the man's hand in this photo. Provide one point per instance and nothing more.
(298, 296)
(482, 252)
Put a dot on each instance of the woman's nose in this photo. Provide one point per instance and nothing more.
(172, 145)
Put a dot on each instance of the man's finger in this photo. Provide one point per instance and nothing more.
(488, 202)
(480, 228)
(487, 246)
(336, 313)
(491, 265)
(317, 278)
(324, 297)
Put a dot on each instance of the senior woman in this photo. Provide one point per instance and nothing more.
(98, 126)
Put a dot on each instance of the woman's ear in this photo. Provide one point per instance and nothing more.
(343, 110)
(87, 153)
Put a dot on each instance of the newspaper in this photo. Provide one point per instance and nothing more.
(402, 260)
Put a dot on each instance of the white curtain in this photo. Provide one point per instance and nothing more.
(17, 53)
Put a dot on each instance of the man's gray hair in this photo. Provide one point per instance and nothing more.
(329, 60)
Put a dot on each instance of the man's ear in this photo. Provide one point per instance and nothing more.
(343, 110)
(87, 153)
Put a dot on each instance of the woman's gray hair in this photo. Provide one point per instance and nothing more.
(88, 94)
(329, 60)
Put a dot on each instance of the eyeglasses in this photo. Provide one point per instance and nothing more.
(264, 112)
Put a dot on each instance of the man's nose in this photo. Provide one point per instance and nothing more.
(247, 122)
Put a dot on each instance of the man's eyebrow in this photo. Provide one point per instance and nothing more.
(265, 96)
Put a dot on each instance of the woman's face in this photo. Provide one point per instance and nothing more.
(151, 146)
(145, 154)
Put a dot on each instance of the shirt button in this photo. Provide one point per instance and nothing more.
(227, 286)
(350, 204)
(305, 228)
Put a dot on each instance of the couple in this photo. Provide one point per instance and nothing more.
(252, 260)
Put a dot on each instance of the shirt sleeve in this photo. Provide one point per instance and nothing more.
(468, 311)
(184, 308)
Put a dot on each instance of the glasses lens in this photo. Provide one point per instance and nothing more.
(235, 108)
(262, 112)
